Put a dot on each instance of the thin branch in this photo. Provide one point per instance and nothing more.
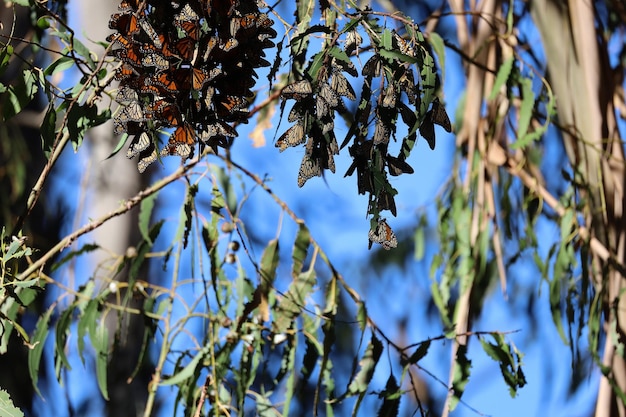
(94, 224)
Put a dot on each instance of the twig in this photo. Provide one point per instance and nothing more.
(94, 224)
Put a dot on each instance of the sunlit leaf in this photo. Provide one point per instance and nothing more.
(7, 408)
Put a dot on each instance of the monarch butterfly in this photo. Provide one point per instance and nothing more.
(386, 201)
(231, 104)
(398, 166)
(346, 66)
(186, 48)
(221, 7)
(408, 116)
(327, 126)
(163, 83)
(209, 92)
(218, 128)
(296, 113)
(407, 84)
(297, 91)
(187, 21)
(168, 113)
(372, 67)
(264, 41)
(322, 108)
(146, 158)
(129, 55)
(341, 86)
(117, 39)
(439, 115)
(181, 142)
(294, 136)
(390, 96)
(152, 34)
(128, 5)
(381, 132)
(155, 59)
(140, 143)
(186, 14)
(427, 130)
(211, 43)
(125, 95)
(134, 111)
(328, 94)
(124, 71)
(404, 46)
(242, 23)
(229, 45)
(383, 234)
(264, 23)
(330, 162)
(353, 41)
(308, 169)
(125, 23)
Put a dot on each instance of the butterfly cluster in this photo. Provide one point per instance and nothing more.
(390, 93)
(188, 66)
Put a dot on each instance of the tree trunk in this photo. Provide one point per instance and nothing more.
(109, 182)
(581, 79)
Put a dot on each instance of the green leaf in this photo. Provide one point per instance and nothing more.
(439, 47)
(420, 241)
(145, 215)
(461, 375)
(300, 249)
(20, 94)
(100, 342)
(393, 55)
(361, 315)
(188, 370)
(48, 129)
(119, 146)
(37, 344)
(7, 409)
(292, 304)
(525, 114)
(419, 353)
(340, 55)
(90, 247)
(508, 361)
(311, 354)
(87, 324)
(59, 65)
(503, 76)
(62, 330)
(5, 57)
(269, 263)
(392, 396)
(84, 52)
(368, 364)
